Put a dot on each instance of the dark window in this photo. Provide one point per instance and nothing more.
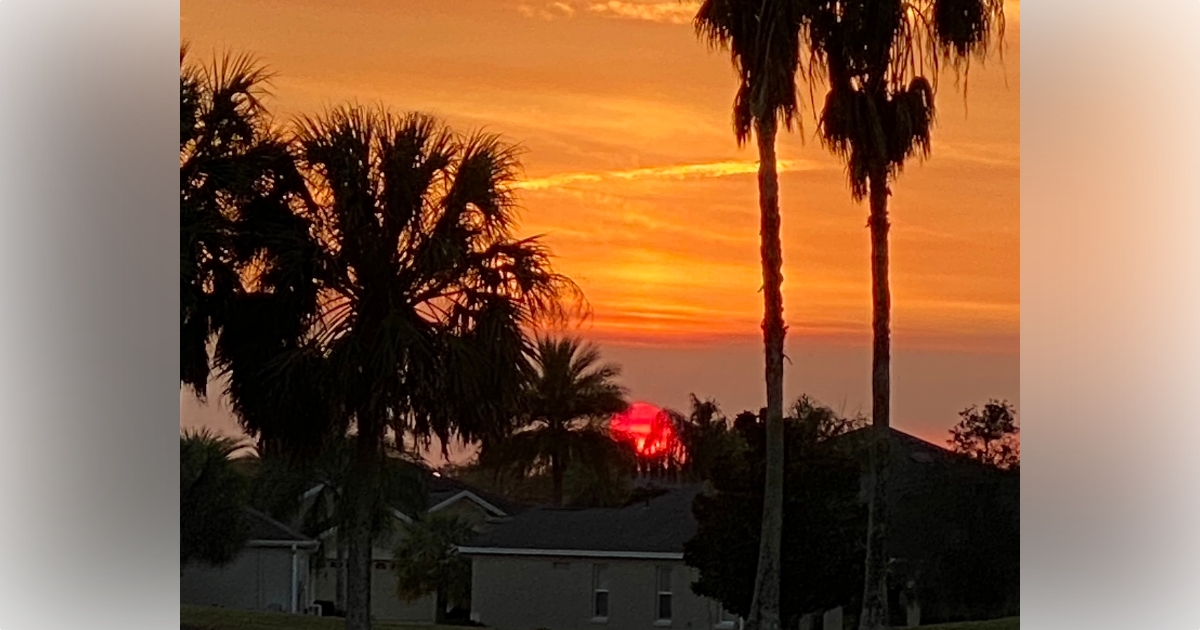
(600, 591)
(664, 593)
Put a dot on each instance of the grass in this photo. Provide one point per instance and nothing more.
(211, 618)
(1008, 623)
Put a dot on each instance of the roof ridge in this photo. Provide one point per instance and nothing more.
(278, 524)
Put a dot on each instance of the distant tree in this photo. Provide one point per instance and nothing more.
(822, 545)
(565, 405)
(212, 499)
(823, 421)
(988, 434)
(428, 562)
(587, 486)
(708, 438)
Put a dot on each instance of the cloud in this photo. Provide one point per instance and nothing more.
(670, 12)
(678, 172)
(661, 11)
(548, 11)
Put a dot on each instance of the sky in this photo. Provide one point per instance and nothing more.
(634, 179)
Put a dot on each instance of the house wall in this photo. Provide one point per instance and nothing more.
(258, 579)
(532, 593)
(385, 604)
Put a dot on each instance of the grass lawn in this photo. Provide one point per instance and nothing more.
(209, 618)
(1008, 623)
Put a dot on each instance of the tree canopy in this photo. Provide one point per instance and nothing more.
(212, 499)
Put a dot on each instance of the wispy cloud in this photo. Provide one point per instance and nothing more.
(662, 11)
(671, 11)
(546, 10)
(678, 172)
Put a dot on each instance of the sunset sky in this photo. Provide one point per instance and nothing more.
(633, 174)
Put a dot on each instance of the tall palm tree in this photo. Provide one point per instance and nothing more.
(881, 61)
(424, 292)
(565, 403)
(763, 39)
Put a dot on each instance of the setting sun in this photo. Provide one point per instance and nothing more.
(647, 426)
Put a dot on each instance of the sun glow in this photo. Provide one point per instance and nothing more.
(648, 427)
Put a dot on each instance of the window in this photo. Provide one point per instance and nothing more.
(600, 592)
(725, 619)
(664, 594)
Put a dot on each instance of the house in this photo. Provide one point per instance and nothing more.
(954, 531)
(443, 495)
(270, 573)
(584, 569)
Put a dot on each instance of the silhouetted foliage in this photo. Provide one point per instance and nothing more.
(822, 525)
(424, 292)
(428, 562)
(238, 185)
(692, 445)
(212, 499)
(989, 434)
(565, 404)
(248, 261)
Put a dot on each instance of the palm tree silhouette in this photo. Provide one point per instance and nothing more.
(565, 402)
(763, 39)
(424, 292)
(881, 60)
(236, 177)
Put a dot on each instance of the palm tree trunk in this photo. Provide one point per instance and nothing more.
(358, 594)
(875, 594)
(764, 609)
(556, 477)
(339, 594)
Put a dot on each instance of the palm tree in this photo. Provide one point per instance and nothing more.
(427, 561)
(708, 439)
(237, 183)
(424, 293)
(763, 39)
(212, 498)
(248, 259)
(879, 112)
(561, 422)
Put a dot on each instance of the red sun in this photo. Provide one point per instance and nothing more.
(647, 426)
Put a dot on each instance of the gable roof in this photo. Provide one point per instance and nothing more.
(265, 531)
(443, 492)
(653, 529)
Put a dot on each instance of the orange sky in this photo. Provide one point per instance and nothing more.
(633, 174)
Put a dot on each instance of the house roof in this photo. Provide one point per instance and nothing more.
(656, 528)
(933, 492)
(266, 531)
(444, 490)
